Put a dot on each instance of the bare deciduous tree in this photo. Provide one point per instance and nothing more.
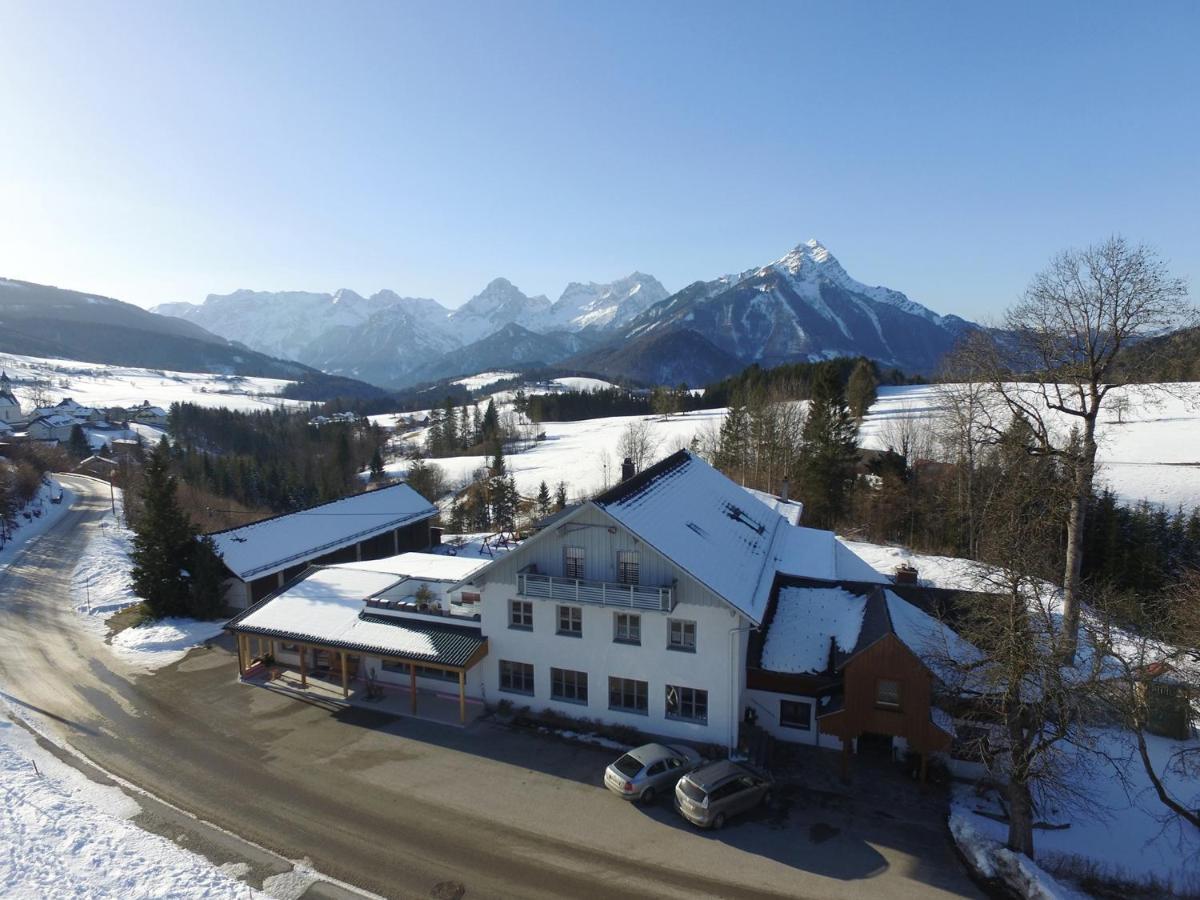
(1059, 358)
(638, 443)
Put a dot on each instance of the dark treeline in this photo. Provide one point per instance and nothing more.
(795, 381)
(270, 459)
(1138, 548)
(571, 406)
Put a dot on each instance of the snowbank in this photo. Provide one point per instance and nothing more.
(62, 835)
(101, 587)
(993, 860)
(1128, 835)
(28, 529)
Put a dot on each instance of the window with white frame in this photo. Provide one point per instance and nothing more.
(569, 686)
(688, 704)
(516, 677)
(570, 621)
(795, 714)
(627, 628)
(628, 695)
(573, 562)
(520, 614)
(628, 567)
(681, 635)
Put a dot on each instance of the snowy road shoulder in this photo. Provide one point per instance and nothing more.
(43, 514)
(63, 835)
(101, 587)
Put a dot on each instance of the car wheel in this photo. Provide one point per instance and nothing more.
(648, 795)
(719, 822)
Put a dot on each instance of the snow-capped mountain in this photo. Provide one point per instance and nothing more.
(804, 306)
(599, 306)
(500, 303)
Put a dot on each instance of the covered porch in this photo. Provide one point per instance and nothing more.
(326, 672)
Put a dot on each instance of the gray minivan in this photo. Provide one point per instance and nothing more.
(709, 796)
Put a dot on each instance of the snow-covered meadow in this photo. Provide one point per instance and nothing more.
(98, 385)
(1150, 451)
(1152, 454)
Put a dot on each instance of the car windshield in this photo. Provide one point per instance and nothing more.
(628, 766)
(691, 791)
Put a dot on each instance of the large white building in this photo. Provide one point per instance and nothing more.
(10, 406)
(636, 607)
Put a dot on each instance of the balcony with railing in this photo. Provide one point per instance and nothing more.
(601, 593)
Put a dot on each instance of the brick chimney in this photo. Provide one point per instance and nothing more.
(627, 469)
(905, 574)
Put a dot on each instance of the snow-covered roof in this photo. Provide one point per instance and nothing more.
(272, 545)
(422, 566)
(935, 642)
(808, 621)
(54, 421)
(704, 523)
(791, 510)
(328, 606)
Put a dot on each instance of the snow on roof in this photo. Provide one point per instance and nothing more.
(807, 622)
(936, 643)
(422, 566)
(789, 509)
(54, 421)
(704, 523)
(269, 546)
(325, 607)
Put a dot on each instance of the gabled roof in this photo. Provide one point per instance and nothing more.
(272, 545)
(704, 523)
(421, 566)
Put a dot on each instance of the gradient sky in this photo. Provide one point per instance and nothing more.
(162, 151)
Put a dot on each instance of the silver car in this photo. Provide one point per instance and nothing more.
(650, 770)
(709, 796)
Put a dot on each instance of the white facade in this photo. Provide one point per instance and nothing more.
(715, 666)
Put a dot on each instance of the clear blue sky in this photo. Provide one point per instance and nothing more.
(165, 150)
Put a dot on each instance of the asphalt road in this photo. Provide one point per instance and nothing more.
(405, 808)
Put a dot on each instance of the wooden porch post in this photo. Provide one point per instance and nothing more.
(303, 668)
(462, 697)
(412, 681)
(345, 683)
(241, 656)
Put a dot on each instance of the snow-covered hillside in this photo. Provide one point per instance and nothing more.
(1152, 453)
(100, 386)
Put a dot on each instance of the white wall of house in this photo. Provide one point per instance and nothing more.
(717, 666)
(766, 705)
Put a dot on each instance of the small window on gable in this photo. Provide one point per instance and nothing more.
(573, 562)
(887, 693)
(628, 567)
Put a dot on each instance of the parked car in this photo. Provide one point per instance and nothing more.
(650, 770)
(709, 796)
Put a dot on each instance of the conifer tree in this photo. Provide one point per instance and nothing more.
(829, 453)
(543, 499)
(377, 471)
(491, 424)
(162, 541)
(560, 496)
(860, 389)
(77, 444)
(208, 580)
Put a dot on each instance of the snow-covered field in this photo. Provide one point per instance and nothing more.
(99, 385)
(583, 454)
(100, 587)
(47, 514)
(483, 379)
(1152, 454)
(62, 835)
